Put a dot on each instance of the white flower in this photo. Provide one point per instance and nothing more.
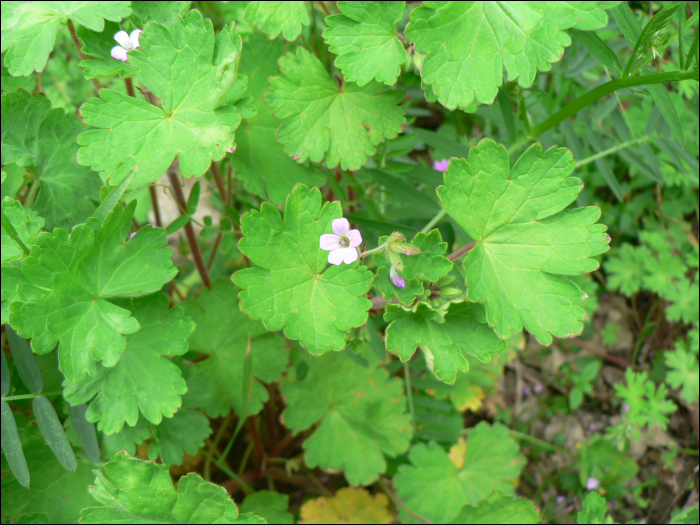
(343, 244)
(126, 43)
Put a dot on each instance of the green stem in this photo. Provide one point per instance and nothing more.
(230, 473)
(610, 151)
(32, 396)
(693, 51)
(434, 221)
(10, 230)
(409, 394)
(31, 197)
(372, 252)
(544, 444)
(599, 92)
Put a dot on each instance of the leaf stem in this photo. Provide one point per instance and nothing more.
(10, 230)
(610, 151)
(544, 444)
(409, 393)
(434, 221)
(129, 87)
(231, 474)
(216, 173)
(372, 252)
(32, 396)
(399, 504)
(31, 196)
(462, 251)
(189, 230)
(82, 56)
(324, 8)
(154, 205)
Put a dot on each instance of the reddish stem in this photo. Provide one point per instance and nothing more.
(154, 205)
(259, 451)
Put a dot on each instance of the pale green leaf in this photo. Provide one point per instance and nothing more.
(58, 492)
(682, 370)
(273, 18)
(500, 509)
(123, 390)
(293, 286)
(526, 241)
(63, 287)
(43, 139)
(190, 69)
(260, 160)
(173, 436)
(27, 226)
(433, 486)
(222, 370)
(270, 505)
(443, 341)
(141, 491)
(361, 411)
(29, 28)
(594, 509)
(365, 40)
(344, 123)
(469, 44)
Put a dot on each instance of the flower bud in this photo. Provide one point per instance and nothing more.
(396, 278)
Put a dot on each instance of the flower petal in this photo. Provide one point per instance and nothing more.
(329, 241)
(349, 255)
(355, 238)
(119, 53)
(336, 257)
(123, 38)
(341, 227)
(134, 37)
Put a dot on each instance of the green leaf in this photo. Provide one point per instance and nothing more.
(344, 124)
(598, 49)
(293, 288)
(43, 139)
(25, 362)
(594, 509)
(260, 160)
(85, 431)
(685, 302)
(686, 517)
(98, 46)
(444, 342)
(526, 243)
(126, 439)
(190, 69)
(499, 509)
(682, 369)
(184, 432)
(625, 268)
(647, 404)
(52, 430)
(468, 45)
(273, 18)
(433, 486)
(165, 13)
(269, 505)
(6, 375)
(10, 83)
(223, 369)
(362, 415)
(63, 287)
(26, 225)
(668, 111)
(58, 492)
(365, 41)
(12, 448)
(144, 491)
(123, 390)
(29, 28)
(427, 266)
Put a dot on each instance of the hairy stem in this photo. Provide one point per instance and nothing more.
(189, 230)
(219, 182)
(154, 205)
(462, 251)
(610, 151)
(82, 56)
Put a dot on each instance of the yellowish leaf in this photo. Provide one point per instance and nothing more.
(458, 452)
(469, 399)
(350, 505)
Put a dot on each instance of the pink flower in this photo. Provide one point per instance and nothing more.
(126, 43)
(441, 165)
(396, 278)
(342, 243)
(592, 483)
